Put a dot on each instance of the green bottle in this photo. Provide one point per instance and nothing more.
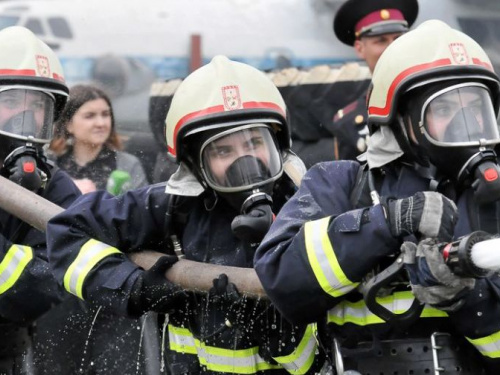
(118, 182)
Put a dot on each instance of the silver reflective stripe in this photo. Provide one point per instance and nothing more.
(323, 260)
(91, 253)
(431, 215)
(181, 340)
(358, 313)
(240, 361)
(300, 361)
(214, 358)
(488, 346)
(13, 265)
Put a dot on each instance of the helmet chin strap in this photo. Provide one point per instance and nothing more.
(430, 173)
(437, 181)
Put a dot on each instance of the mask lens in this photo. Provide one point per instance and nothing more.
(241, 159)
(461, 115)
(26, 114)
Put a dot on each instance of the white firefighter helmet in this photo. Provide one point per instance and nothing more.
(436, 89)
(432, 52)
(30, 70)
(221, 95)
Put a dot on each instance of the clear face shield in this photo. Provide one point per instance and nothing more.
(241, 158)
(26, 114)
(461, 115)
(461, 130)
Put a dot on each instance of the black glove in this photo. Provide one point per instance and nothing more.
(428, 214)
(253, 226)
(226, 297)
(152, 291)
(432, 281)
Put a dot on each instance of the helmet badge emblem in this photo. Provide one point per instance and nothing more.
(459, 53)
(232, 98)
(42, 66)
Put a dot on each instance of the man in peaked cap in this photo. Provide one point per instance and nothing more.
(369, 26)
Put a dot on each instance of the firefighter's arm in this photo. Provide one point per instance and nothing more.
(318, 249)
(87, 244)
(478, 319)
(27, 287)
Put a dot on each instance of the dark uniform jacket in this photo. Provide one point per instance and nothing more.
(350, 130)
(89, 259)
(100, 169)
(27, 287)
(320, 236)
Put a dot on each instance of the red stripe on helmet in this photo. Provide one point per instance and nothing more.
(217, 109)
(267, 105)
(58, 77)
(188, 117)
(476, 61)
(26, 72)
(377, 111)
(17, 72)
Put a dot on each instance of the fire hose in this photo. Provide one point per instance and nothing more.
(194, 276)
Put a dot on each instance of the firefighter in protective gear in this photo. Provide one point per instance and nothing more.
(434, 96)
(369, 26)
(32, 95)
(227, 128)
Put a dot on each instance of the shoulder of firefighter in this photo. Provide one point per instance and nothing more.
(321, 236)
(349, 127)
(27, 287)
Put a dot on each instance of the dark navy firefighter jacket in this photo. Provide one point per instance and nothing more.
(27, 286)
(88, 246)
(320, 247)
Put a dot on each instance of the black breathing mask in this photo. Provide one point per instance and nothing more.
(456, 129)
(23, 135)
(23, 160)
(241, 165)
(27, 167)
(255, 204)
(247, 171)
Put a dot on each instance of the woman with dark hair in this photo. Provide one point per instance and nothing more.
(88, 148)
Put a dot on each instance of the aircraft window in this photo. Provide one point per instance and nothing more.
(35, 26)
(6, 21)
(60, 27)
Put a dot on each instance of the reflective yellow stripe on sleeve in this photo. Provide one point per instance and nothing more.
(323, 260)
(488, 346)
(359, 314)
(90, 254)
(241, 361)
(13, 264)
(300, 361)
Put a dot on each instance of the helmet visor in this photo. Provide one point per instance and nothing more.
(241, 158)
(460, 115)
(26, 114)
